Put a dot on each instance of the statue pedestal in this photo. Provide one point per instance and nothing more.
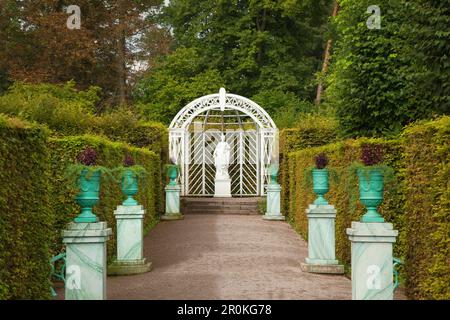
(222, 188)
(130, 229)
(86, 260)
(273, 203)
(172, 203)
(372, 263)
(321, 241)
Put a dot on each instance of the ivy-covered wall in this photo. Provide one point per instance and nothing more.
(416, 201)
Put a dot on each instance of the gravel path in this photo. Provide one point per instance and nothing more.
(226, 257)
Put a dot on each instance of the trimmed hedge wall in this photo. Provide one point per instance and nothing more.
(416, 202)
(110, 155)
(26, 223)
(69, 112)
(427, 208)
(343, 193)
(314, 130)
(150, 135)
(36, 200)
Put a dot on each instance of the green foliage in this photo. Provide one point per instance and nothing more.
(110, 155)
(63, 109)
(383, 79)
(123, 125)
(427, 208)
(248, 47)
(311, 130)
(73, 172)
(262, 206)
(285, 108)
(416, 200)
(5, 81)
(26, 221)
(179, 79)
(137, 170)
(69, 112)
(343, 193)
(37, 199)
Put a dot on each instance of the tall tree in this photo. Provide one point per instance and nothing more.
(384, 78)
(40, 48)
(260, 48)
(257, 45)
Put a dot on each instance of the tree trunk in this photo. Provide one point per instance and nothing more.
(326, 59)
(122, 72)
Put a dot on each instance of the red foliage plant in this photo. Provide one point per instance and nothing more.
(321, 160)
(87, 157)
(128, 161)
(371, 154)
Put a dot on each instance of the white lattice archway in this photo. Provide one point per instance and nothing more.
(196, 129)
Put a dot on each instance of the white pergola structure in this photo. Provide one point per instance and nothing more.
(248, 129)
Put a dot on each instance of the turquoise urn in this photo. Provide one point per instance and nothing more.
(371, 187)
(89, 185)
(320, 185)
(273, 173)
(130, 187)
(172, 173)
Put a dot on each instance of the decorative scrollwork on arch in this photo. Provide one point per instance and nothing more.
(234, 102)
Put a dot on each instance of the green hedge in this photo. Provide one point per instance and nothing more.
(36, 200)
(416, 202)
(110, 154)
(68, 112)
(123, 127)
(26, 223)
(313, 130)
(343, 193)
(427, 208)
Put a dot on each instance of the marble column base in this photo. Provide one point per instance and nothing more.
(273, 203)
(321, 241)
(273, 217)
(119, 268)
(333, 268)
(169, 217)
(130, 232)
(372, 265)
(86, 260)
(222, 188)
(173, 200)
(130, 248)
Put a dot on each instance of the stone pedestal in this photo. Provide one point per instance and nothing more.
(172, 203)
(372, 265)
(222, 188)
(321, 241)
(130, 249)
(86, 260)
(273, 203)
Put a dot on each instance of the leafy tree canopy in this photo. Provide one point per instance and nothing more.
(383, 79)
(253, 48)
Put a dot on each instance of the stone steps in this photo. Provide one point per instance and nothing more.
(231, 206)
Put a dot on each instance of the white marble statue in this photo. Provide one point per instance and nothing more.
(222, 159)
